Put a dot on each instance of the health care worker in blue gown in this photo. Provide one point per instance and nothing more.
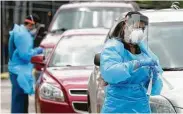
(130, 68)
(20, 68)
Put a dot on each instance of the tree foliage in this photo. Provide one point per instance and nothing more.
(157, 4)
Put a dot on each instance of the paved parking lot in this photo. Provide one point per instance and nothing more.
(6, 98)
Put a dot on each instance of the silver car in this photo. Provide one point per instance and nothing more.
(165, 40)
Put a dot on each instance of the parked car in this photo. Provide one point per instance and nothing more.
(86, 15)
(62, 86)
(165, 40)
(83, 15)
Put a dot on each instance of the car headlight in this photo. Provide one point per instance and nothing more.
(47, 51)
(51, 92)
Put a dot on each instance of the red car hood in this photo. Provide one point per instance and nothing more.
(71, 75)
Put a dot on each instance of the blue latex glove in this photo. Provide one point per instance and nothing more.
(39, 50)
(155, 70)
(147, 62)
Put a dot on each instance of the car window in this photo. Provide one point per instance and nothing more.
(87, 17)
(77, 50)
(165, 40)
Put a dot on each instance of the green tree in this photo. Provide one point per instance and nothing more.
(157, 4)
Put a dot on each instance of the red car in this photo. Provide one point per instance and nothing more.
(62, 86)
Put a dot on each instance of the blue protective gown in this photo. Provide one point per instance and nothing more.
(20, 52)
(126, 91)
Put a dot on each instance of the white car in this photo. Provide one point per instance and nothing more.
(165, 40)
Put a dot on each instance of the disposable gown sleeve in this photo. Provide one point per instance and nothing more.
(112, 65)
(157, 81)
(23, 45)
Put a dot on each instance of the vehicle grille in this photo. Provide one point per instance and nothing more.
(78, 92)
(80, 106)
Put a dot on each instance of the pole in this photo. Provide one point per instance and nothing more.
(16, 12)
(24, 13)
(30, 7)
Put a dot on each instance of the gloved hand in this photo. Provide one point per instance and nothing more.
(147, 62)
(39, 50)
(155, 72)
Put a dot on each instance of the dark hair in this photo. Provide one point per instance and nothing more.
(132, 12)
(35, 18)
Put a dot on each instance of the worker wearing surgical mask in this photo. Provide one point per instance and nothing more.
(130, 69)
(20, 68)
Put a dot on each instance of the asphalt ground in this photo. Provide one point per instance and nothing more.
(6, 97)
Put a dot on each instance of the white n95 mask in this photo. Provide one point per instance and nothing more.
(134, 36)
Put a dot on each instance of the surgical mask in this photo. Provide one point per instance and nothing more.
(33, 32)
(134, 36)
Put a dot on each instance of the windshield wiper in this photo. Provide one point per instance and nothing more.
(57, 30)
(68, 65)
(173, 69)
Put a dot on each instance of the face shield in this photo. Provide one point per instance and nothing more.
(35, 27)
(136, 28)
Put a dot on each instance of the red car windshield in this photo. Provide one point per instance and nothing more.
(87, 17)
(77, 50)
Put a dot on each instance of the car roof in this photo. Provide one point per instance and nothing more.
(51, 42)
(165, 15)
(95, 4)
(155, 16)
(94, 31)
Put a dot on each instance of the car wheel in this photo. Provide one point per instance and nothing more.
(89, 106)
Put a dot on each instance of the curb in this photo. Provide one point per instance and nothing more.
(5, 75)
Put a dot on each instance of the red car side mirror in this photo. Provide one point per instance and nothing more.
(38, 60)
